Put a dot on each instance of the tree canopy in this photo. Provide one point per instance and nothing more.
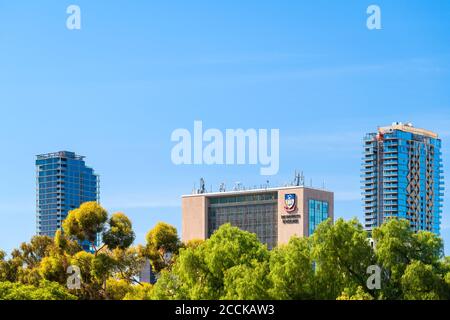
(336, 262)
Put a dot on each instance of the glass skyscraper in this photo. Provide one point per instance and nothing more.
(64, 182)
(402, 177)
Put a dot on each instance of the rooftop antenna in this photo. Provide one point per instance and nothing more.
(202, 188)
(222, 187)
(311, 183)
(299, 179)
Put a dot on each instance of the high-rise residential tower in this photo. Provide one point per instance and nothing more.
(63, 183)
(402, 177)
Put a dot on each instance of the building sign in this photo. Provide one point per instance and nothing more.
(290, 206)
(290, 202)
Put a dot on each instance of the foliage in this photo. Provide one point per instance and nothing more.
(352, 294)
(117, 289)
(128, 263)
(3, 266)
(331, 264)
(120, 233)
(291, 271)
(232, 264)
(140, 292)
(53, 268)
(193, 243)
(162, 244)
(420, 282)
(244, 282)
(85, 222)
(45, 291)
(406, 257)
(206, 272)
(341, 254)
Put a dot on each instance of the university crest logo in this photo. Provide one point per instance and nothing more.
(290, 202)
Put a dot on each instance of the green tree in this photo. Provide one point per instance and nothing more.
(90, 285)
(128, 263)
(3, 266)
(341, 255)
(86, 222)
(45, 291)
(113, 258)
(120, 233)
(200, 273)
(355, 294)
(101, 269)
(170, 287)
(11, 269)
(247, 282)
(291, 271)
(53, 268)
(421, 282)
(31, 254)
(64, 245)
(397, 247)
(162, 244)
(140, 292)
(117, 289)
(24, 263)
(194, 243)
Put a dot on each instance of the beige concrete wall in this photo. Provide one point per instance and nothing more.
(286, 231)
(194, 218)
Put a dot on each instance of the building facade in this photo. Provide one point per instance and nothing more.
(63, 183)
(402, 177)
(146, 274)
(273, 214)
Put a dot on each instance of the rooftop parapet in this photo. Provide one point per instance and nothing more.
(408, 127)
(60, 154)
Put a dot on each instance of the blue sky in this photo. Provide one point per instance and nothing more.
(137, 70)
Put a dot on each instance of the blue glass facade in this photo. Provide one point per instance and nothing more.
(64, 182)
(318, 212)
(402, 177)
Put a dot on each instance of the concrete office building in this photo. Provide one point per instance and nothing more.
(273, 214)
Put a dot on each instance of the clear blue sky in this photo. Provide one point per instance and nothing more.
(115, 90)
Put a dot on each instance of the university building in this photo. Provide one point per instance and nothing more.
(273, 214)
(402, 177)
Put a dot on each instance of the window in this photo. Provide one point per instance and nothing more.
(257, 213)
(318, 212)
